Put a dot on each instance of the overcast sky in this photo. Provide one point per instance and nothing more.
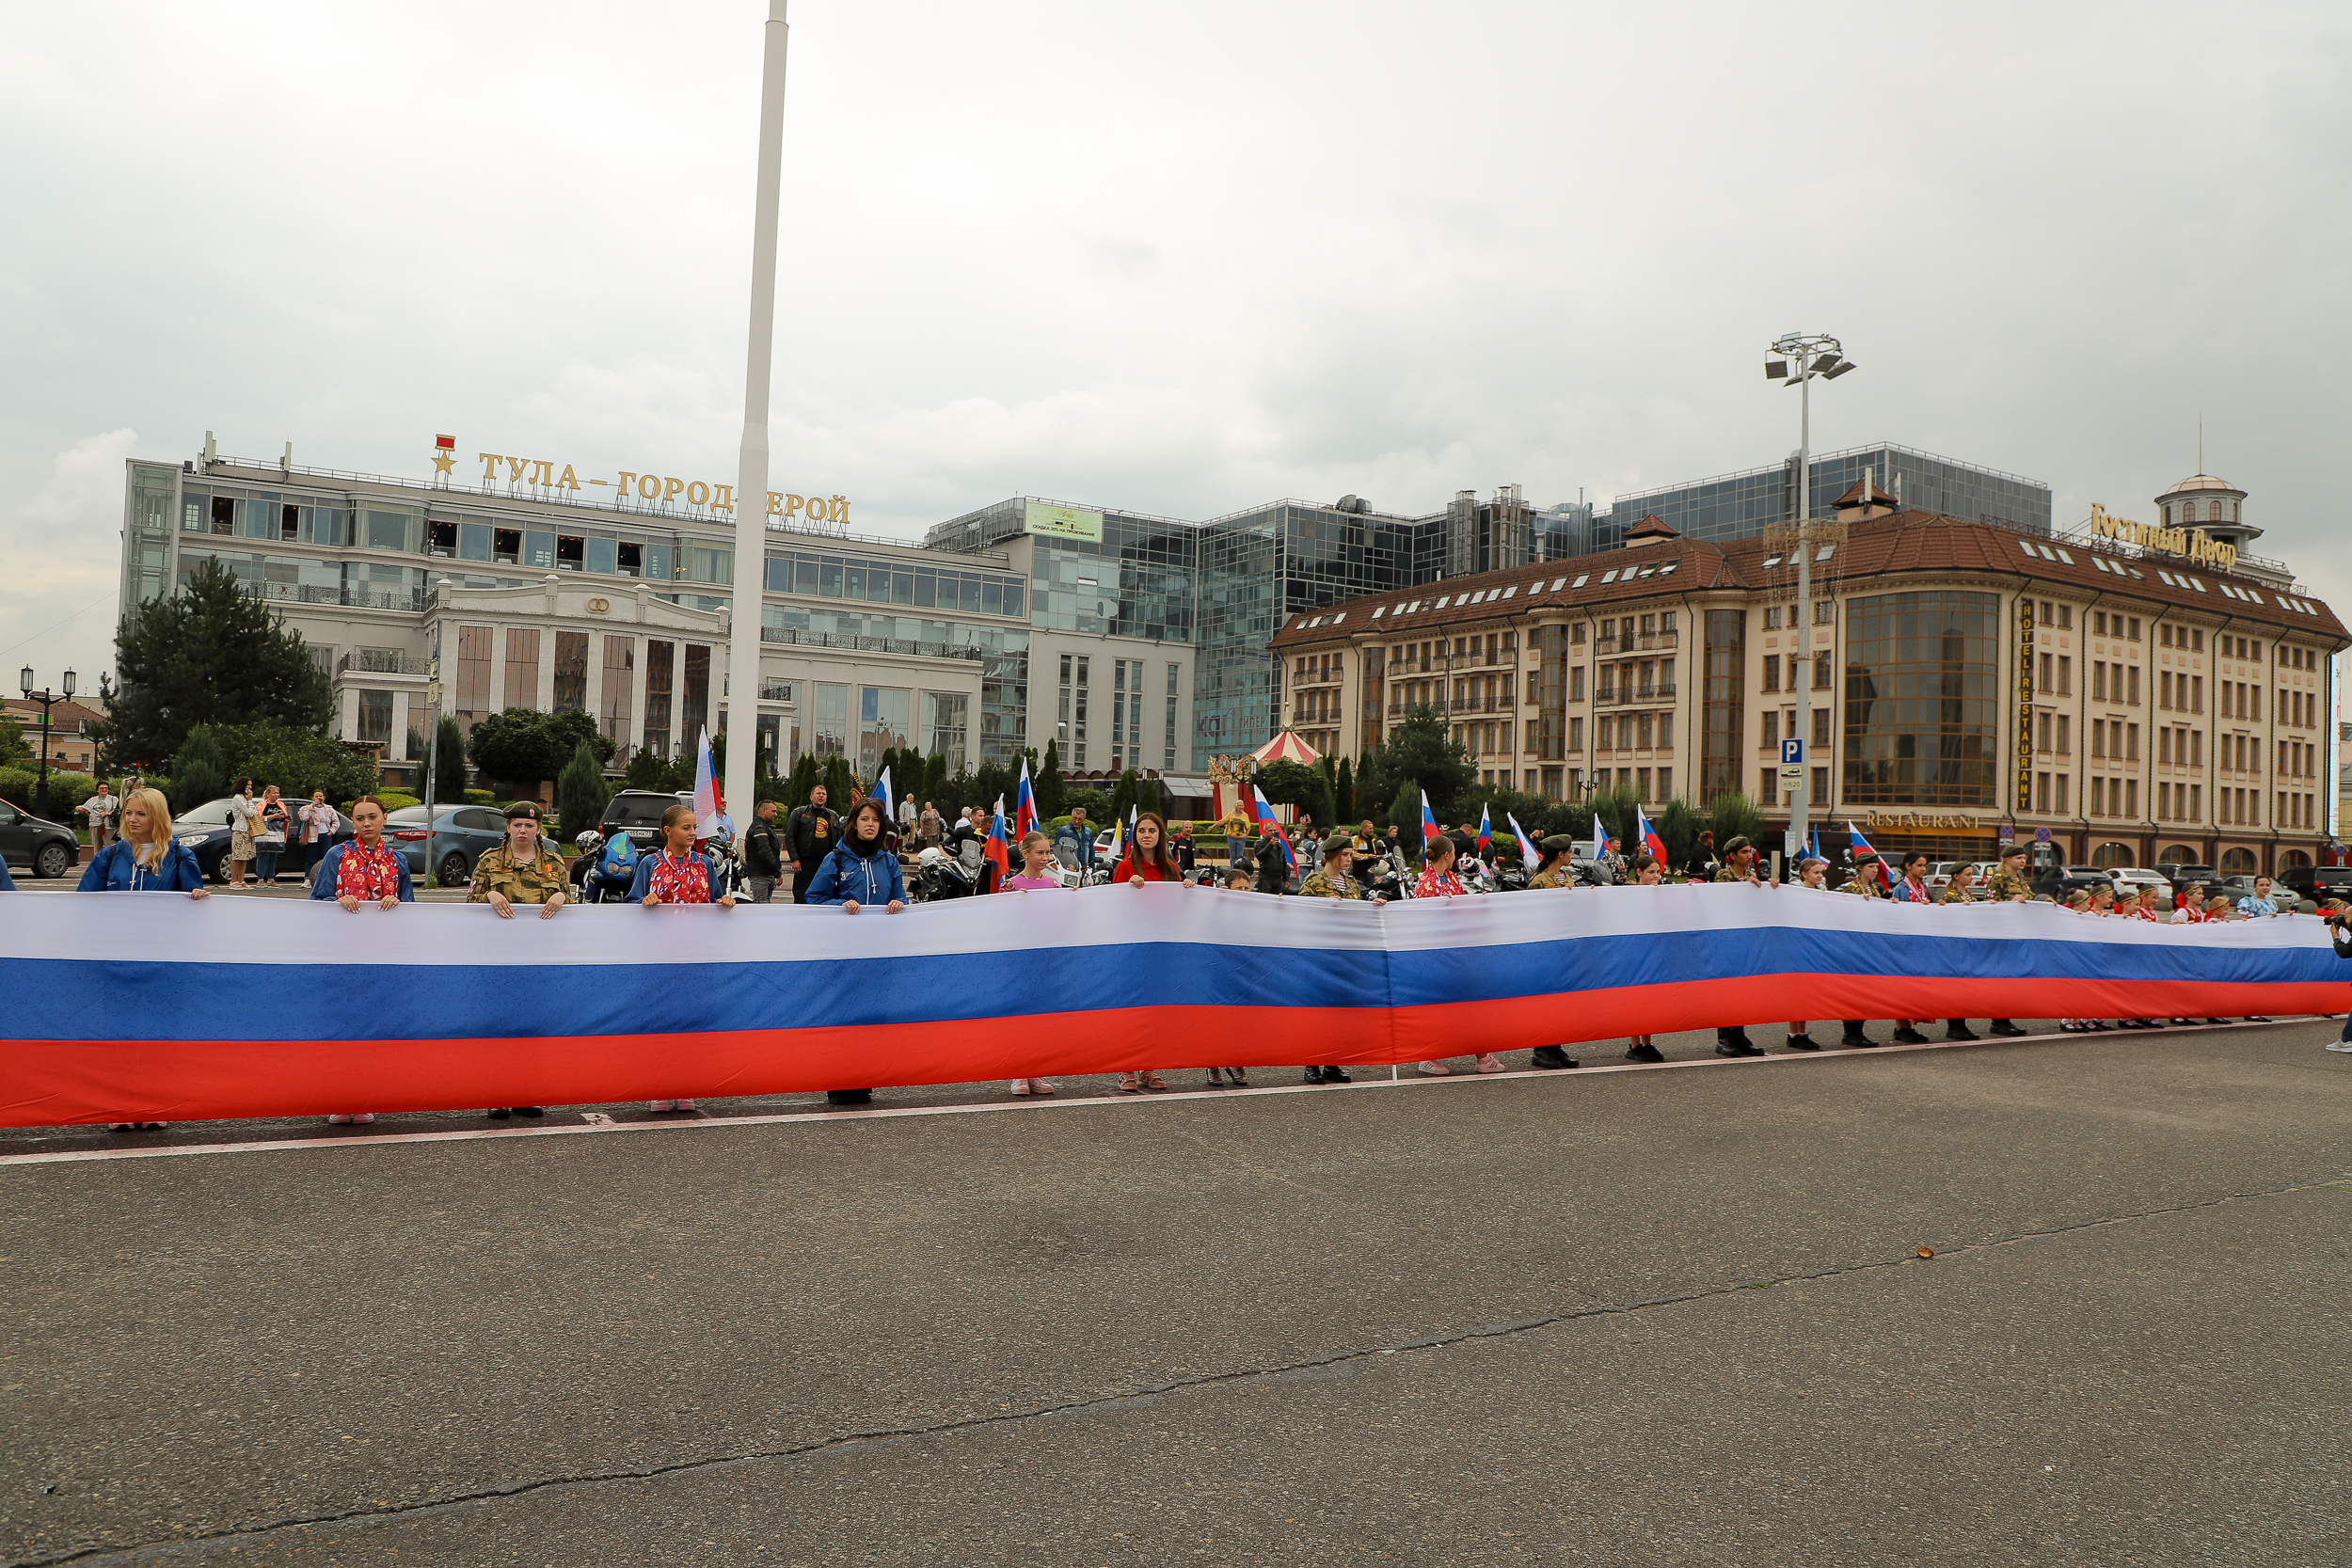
(1179, 259)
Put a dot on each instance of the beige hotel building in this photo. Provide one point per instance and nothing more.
(2134, 700)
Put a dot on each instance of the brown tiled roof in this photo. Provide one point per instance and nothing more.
(1854, 496)
(1652, 527)
(1906, 543)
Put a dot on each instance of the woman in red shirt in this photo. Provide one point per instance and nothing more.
(1149, 859)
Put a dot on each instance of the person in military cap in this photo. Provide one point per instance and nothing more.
(1863, 883)
(1738, 866)
(1557, 868)
(522, 870)
(1331, 880)
(2007, 886)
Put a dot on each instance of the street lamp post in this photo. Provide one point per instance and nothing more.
(1801, 358)
(46, 699)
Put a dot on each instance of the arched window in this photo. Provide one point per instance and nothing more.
(2111, 854)
(2188, 512)
(2237, 860)
(2291, 858)
(2177, 854)
(2232, 510)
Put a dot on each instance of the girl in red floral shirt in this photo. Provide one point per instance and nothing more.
(1438, 881)
(678, 874)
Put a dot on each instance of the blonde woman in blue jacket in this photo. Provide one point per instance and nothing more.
(146, 859)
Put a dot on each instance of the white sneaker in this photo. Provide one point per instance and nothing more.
(685, 1105)
(1435, 1069)
(339, 1119)
(661, 1104)
(2345, 1046)
(365, 1118)
(1021, 1086)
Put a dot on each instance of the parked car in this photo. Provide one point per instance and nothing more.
(2315, 882)
(2183, 875)
(47, 848)
(205, 831)
(2059, 881)
(2242, 886)
(638, 812)
(1940, 874)
(457, 835)
(2134, 877)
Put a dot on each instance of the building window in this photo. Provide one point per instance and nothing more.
(522, 667)
(1723, 721)
(661, 672)
(1922, 677)
(694, 690)
(1772, 672)
(885, 722)
(1550, 691)
(376, 717)
(571, 672)
(612, 704)
(829, 727)
(473, 676)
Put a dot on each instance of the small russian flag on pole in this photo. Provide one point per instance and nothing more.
(1486, 833)
(1267, 825)
(1650, 841)
(1023, 805)
(1429, 820)
(1528, 852)
(996, 852)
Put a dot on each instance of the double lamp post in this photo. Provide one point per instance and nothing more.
(46, 699)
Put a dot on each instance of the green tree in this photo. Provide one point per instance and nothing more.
(1420, 752)
(206, 655)
(1126, 795)
(1733, 815)
(645, 770)
(1405, 816)
(449, 772)
(1616, 807)
(839, 782)
(1344, 795)
(521, 747)
(1047, 784)
(297, 761)
(936, 776)
(806, 776)
(1372, 785)
(1294, 783)
(198, 770)
(14, 751)
(581, 792)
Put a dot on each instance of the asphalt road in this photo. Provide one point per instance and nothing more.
(1673, 1316)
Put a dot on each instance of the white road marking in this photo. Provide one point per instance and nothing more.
(598, 1121)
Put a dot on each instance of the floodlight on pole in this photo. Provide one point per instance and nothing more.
(1811, 356)
(1776, 370)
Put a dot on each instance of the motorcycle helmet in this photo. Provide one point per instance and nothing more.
(587, 841)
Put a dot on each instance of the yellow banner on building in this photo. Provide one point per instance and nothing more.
(1063, 522)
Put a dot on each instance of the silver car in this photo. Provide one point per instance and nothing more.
(458, 835)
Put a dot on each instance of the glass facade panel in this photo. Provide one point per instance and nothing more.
(945, 727)
(829, 724)
(1922, 699)
(695, 693)
(660, 672)
(1723, 717)
(522, 668)
(612, 707)
(571, 672)
(885, 723)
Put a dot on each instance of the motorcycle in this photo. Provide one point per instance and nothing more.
(1389, 876)
(597, 878)
(1067, 870)
(939, 875)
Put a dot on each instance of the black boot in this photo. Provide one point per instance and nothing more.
(1855, 1038)
(1550, 1056)
(1313, 1075)
(1336, 1075)
(1908, 1036)
(849, 1097)
(1799, 1042)
(1957, 1029)
(2003, 1029)
(1735, 1042)
(1644, 1053)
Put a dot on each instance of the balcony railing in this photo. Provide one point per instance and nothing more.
(293, 593)
(794, 636)
(379, 662)
(1622, 696)
(1640, 644)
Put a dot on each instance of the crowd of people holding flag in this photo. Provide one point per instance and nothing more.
(850, 862)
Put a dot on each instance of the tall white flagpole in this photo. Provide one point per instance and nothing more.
(751, 474)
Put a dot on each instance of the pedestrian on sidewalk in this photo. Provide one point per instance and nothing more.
(100, 808)
(242, 813)
(270, 821)
(320, 823)
(763, 853)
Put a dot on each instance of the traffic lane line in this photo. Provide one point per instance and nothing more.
(598, 1121)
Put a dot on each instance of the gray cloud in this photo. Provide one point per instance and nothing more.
(1178, 259)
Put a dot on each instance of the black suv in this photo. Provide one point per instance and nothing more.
(2316, 882)
(49, 848)
(638, 812)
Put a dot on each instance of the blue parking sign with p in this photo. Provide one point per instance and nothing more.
(1792, 751)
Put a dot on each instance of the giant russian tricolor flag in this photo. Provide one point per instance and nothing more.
(125, 1007)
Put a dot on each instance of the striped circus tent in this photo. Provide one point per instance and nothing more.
(1286, 747)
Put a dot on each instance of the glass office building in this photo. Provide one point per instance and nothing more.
(1741, 505)
(1220, 587)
